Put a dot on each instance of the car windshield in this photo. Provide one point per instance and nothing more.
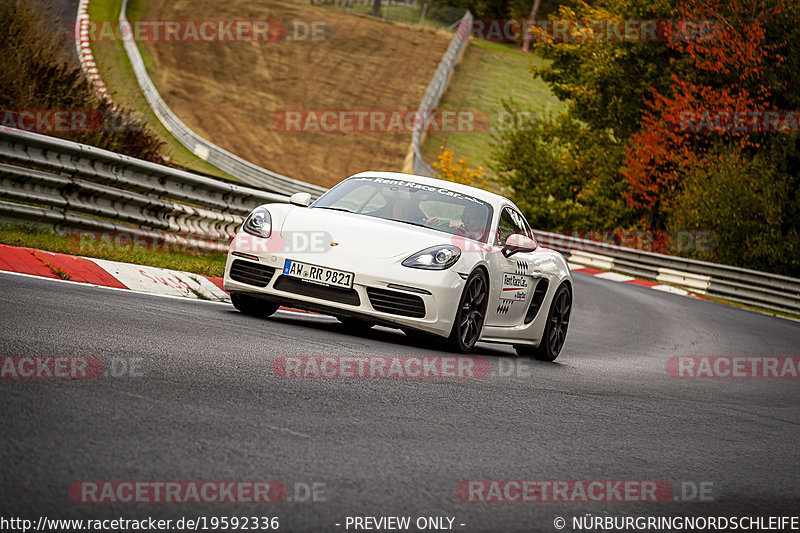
(417, 204)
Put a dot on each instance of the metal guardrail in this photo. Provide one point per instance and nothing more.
(70, 185)
(750, 287)
(234, 165)
(74, 186)
(433, 94)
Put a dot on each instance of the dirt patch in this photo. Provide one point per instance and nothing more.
(231, 92)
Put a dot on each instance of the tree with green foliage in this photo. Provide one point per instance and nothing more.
(564, 175)
(566, 171)
(743, 202)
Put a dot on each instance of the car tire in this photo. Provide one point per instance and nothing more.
(253, 306)
(471, 312)
(555, 331)
(355, 325)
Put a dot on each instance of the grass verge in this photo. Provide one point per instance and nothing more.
(757, 309)
(488, 74)
(204, 263)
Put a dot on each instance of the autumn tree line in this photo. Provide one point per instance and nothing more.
(691, 132)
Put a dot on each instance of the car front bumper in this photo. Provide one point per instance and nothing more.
(376, 281)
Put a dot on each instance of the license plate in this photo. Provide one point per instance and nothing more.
(328, 277)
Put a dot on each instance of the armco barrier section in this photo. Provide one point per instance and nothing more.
(234, 165)
(74, 186)
(430, 100)
(750, 287)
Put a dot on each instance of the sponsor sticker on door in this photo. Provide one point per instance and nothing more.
(515, 287)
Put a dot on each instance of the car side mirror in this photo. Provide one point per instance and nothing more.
(518, 243)
(303, 199)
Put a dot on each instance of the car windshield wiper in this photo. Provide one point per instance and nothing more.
(421, 225)
(334, 208)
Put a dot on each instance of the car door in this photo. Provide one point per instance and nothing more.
(513, 278)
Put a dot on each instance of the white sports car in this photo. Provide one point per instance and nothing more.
(420, 254)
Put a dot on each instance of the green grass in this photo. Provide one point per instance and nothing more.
(60, 272)
(403, 14)
(489, 73)
(117, 73)
(198, 294)
(756, 308)
(208, 264)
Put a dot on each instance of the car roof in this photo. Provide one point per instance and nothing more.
(487, 196)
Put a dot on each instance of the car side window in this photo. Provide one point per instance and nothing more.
(510, 223)
(528, 230)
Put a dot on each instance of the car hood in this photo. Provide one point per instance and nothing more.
(359, 235)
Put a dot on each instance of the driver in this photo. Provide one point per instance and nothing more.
(407, 210)
(402, 206)
(472, 223)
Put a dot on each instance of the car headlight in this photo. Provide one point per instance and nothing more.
(434, 258)
(259, 223)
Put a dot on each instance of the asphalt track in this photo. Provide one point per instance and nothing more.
(207, 406)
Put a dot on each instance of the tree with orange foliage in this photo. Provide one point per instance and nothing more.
(459, 170)
(671, 134)
(719, 80)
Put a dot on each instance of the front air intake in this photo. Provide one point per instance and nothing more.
(396, 302)
(251, 273)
